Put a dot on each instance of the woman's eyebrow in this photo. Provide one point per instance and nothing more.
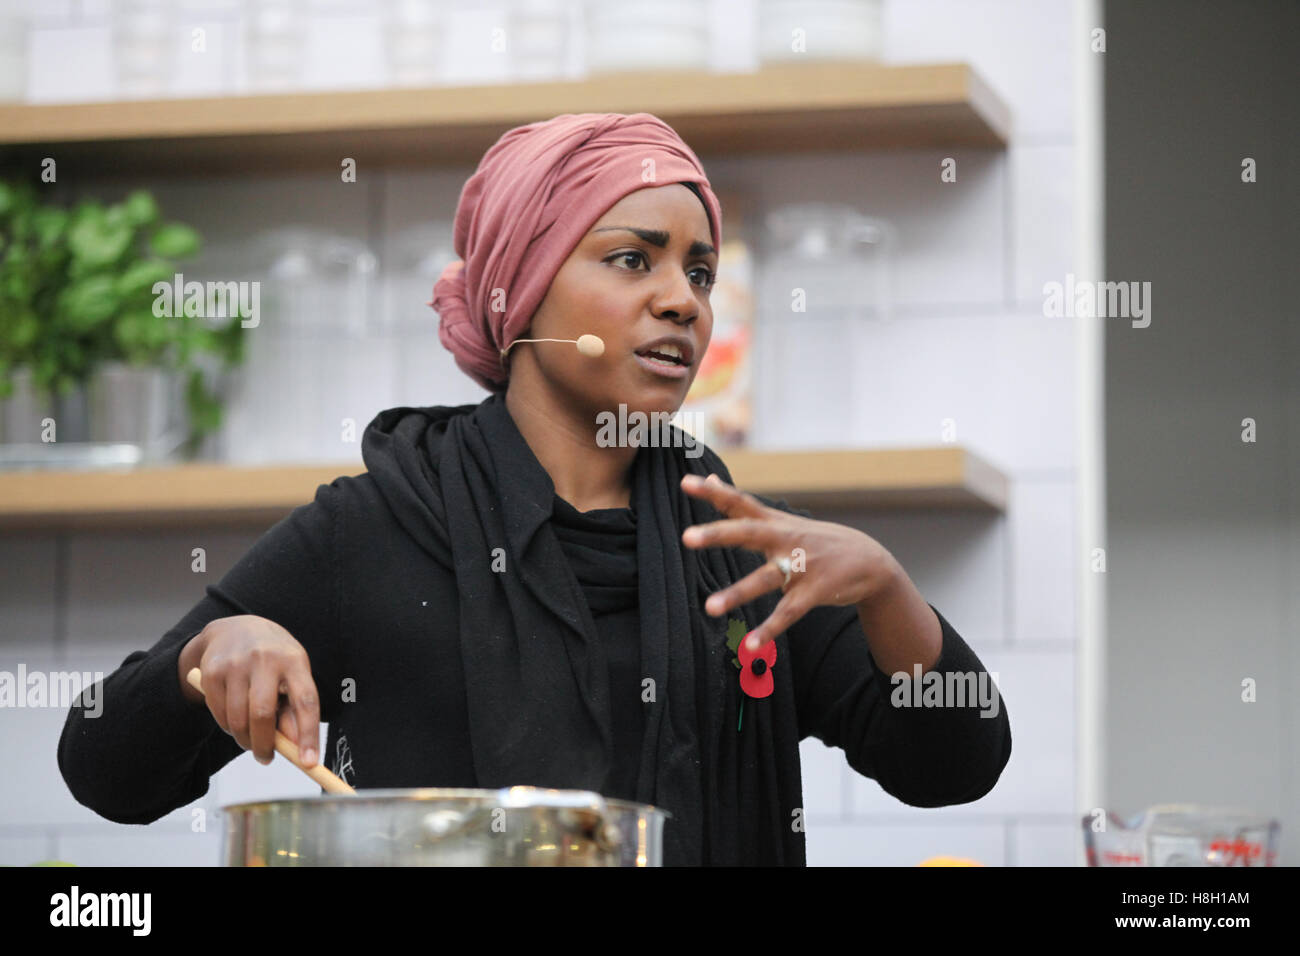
(659, 237)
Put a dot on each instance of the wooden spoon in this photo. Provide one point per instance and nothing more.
(283, 745)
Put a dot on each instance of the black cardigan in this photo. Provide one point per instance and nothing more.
(348, 578)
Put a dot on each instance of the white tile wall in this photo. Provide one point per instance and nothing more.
(893, 843)
(89, 47)
(25, 850)
(825, 784)
(958, 561)
(969, 342)
(1047, 843)
(952, 237)
(1023, 48)
(1042, 216)
(345, 52)
(136, 846)
(1033, 429)
(1044, 554)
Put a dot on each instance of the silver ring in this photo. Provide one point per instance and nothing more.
(783, 565)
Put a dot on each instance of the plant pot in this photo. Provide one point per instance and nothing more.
(23, 414)
(142, 405)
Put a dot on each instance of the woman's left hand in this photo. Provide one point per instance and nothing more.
(831, 564)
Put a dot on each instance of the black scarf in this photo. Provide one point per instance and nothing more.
(463, 481)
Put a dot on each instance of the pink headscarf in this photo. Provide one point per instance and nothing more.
(535, 194)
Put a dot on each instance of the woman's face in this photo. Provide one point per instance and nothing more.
(642, 272)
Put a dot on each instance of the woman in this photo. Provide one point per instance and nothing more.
(504, 598)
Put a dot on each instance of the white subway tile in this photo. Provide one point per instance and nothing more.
(1033, 377)
(904, 843)
(823, 769)
(123, 846)
(1042, 218)
(91, 10)
(24, 850)
(927, 381)
(345, 52)
(998, 384)
(50, 14)
(1046, 844)
(70, 64)
(204, 63)
(1044, 556)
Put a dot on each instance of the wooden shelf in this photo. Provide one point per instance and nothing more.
(793, 108)
(208, 494)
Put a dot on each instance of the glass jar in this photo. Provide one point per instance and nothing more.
(318, 367)
(275, 40)
(413, 35)
(1181, 835)
(825, 279)
(540, 38)
(808, 30)
(646, 35)
(13, 52)
(426, 372)
(142, 48)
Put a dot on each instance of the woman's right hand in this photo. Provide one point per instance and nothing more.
(256, 678)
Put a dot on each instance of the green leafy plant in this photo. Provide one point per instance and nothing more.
(76, 290)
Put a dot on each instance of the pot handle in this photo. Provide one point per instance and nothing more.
(602, 829)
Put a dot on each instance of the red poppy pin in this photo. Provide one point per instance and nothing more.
(755, 666)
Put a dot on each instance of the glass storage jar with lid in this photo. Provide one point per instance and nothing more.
(318, 358)
(825, 275)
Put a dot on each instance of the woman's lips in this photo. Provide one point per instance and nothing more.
(666, 369)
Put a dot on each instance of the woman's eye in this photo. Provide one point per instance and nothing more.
(708, 277)
(639, 256)
(628, 255)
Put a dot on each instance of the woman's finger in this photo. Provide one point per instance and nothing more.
(286, 722)
(783, 617)
(728, 499)
(306, 708)
(758, 582)
(757, 534)
(263, 695)
(237, 707)
(213, 683)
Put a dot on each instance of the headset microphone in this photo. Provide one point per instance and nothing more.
(593, 346)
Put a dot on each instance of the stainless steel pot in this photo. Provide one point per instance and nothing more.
(514, 826)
